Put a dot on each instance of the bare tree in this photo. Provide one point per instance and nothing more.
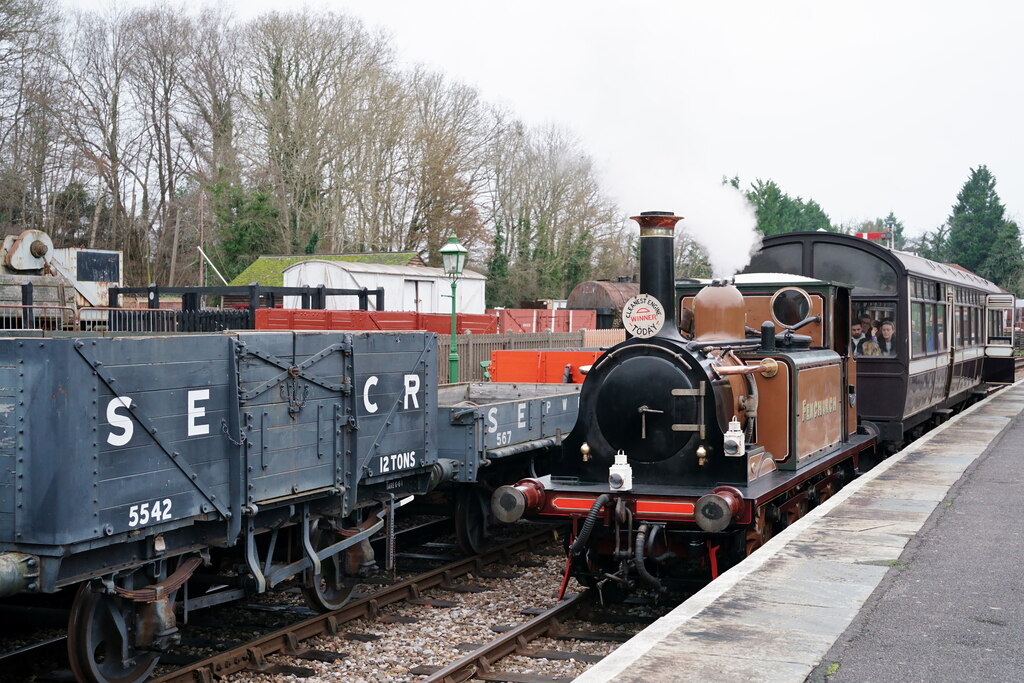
(156, 77)
(98, 54)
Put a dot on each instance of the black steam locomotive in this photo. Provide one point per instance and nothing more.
(693, 446)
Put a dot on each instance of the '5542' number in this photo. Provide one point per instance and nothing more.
(144, 513)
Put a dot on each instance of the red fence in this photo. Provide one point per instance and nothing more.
(304, 319)
(543, 365)
(543, 320)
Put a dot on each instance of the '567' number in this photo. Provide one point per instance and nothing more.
(157, 511)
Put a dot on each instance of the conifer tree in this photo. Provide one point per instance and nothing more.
(976, 221)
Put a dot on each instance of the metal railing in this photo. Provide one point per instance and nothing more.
(97, 319)
(49, 318)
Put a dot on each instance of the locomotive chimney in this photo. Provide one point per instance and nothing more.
(657, 263)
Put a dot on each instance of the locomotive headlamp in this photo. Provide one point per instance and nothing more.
(620, 475)
(734, 439)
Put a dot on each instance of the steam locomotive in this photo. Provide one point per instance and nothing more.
(693, 446)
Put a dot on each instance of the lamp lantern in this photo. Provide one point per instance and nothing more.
(453, 260)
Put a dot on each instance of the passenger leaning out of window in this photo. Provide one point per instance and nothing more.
(886, 338)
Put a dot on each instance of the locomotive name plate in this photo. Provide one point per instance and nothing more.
(643, 316)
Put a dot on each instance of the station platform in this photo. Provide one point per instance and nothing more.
(912, 572)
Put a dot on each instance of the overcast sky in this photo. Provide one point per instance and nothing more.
(864, 107)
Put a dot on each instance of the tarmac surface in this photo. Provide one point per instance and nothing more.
(911, 573)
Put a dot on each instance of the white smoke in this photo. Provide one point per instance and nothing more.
(721, 219)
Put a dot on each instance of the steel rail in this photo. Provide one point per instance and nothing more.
(509, 643)
(286, 640)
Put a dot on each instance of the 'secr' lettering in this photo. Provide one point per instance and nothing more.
(411, 388)
(122, 428)
(118, 421)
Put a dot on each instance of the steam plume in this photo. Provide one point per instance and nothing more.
(721, 219)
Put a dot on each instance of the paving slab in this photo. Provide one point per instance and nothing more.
(909, 573)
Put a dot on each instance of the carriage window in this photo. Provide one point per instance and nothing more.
(877, 312)
(785, 258)
(940, 326)
(868, 274)
(929, 327)
(917, 328)
(1000, 327)
(958, 326)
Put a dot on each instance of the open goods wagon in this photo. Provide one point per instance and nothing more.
(155, 475)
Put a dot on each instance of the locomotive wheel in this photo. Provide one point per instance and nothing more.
(796, 512)
(472, 515)
(331, 588)
(759, 533)
(99, 625)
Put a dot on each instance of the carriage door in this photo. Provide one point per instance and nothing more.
(293, 390)
(950, 336)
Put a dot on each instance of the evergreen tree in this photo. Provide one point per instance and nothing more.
(497, 271)
(777, 212)
(246, 225)
(934, 245)
(976, 221)
(900, 242)
(1005, 264)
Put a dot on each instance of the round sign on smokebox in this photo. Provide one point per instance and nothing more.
(643, 316)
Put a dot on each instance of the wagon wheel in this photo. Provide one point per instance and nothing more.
(100, 640)
(472, 515)
(331, 588)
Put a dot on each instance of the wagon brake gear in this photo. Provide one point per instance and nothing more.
(329, 588)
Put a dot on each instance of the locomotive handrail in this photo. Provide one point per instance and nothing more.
(768, 367)
(804, 323)
(611, 354)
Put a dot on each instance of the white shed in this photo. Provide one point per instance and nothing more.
(406, 288)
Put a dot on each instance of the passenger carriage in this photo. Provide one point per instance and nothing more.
(953, 333)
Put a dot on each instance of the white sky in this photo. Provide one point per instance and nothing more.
(864, 107)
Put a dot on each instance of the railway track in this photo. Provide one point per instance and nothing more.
(38, 647)
(555, 645)
(254, 655)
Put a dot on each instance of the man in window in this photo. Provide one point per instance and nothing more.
(857, 337)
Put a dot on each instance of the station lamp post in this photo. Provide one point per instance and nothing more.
(453, 258)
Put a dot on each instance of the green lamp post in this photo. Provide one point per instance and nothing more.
(453, 259)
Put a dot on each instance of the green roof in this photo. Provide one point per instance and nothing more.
(269, 270)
